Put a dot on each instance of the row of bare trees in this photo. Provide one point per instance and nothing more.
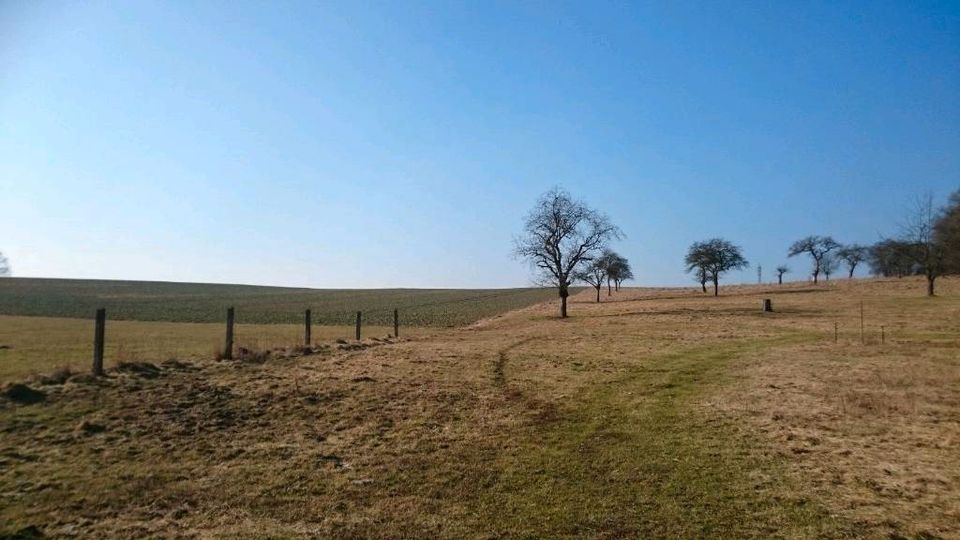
(610, 268)
(4, 266)
(928, 245)
(565, 241)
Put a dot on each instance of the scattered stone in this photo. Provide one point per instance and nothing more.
(23, 394)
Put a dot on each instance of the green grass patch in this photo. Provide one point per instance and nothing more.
(638, 457)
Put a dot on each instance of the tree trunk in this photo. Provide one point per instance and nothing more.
(815, 274)
(852, 268)
(930, 280)
(780, 279)
(563, 301)
(703, 285)
(716, 286)
(608, 287)
(598, 293)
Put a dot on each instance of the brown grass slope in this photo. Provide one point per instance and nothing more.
(661, 413)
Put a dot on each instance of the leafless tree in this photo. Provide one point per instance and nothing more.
(828, 266)
(714, 257)
(852, 255)
(4, 266)
(701, 276)
(618, 269)
(697, 261)
(560, 236)
(624, 273)
(781, 270)
(919, 230)
(817, 247)
(594, 274)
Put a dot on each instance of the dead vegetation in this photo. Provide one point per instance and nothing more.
(659, 414)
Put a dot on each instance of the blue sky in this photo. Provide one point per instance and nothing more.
(399, 144)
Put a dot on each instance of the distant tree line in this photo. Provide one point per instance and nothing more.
(5, 270)
(567, 242)
(928, 245)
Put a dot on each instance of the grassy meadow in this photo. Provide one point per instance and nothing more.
(38, 345)
(658, 413)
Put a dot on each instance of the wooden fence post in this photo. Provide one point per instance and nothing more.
(228, 345)
(767, 305)
(98, 336)
(882, 336)
(306, 328)
(836, 332)
(396, 324)
(358, 326)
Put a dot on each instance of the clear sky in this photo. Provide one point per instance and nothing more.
(399, 144)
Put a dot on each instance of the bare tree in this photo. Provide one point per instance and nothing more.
(852, 255)
(594, 274)
(817, 247)
(701, 276)
(561, 235)
(5, 270)
(697, 260)
(618, 269)
(828, 266)
(919, 231)
(624, 273)
(714, 257)
(781, 270)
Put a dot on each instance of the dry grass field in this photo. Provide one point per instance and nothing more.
(658, 413)
(39, 345)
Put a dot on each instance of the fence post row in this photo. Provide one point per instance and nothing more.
(396, 324)
(306, 329)
(358, 326)
(98, 335)
(228, 346)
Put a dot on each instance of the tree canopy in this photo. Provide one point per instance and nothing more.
(712, 258)
(817, 247)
